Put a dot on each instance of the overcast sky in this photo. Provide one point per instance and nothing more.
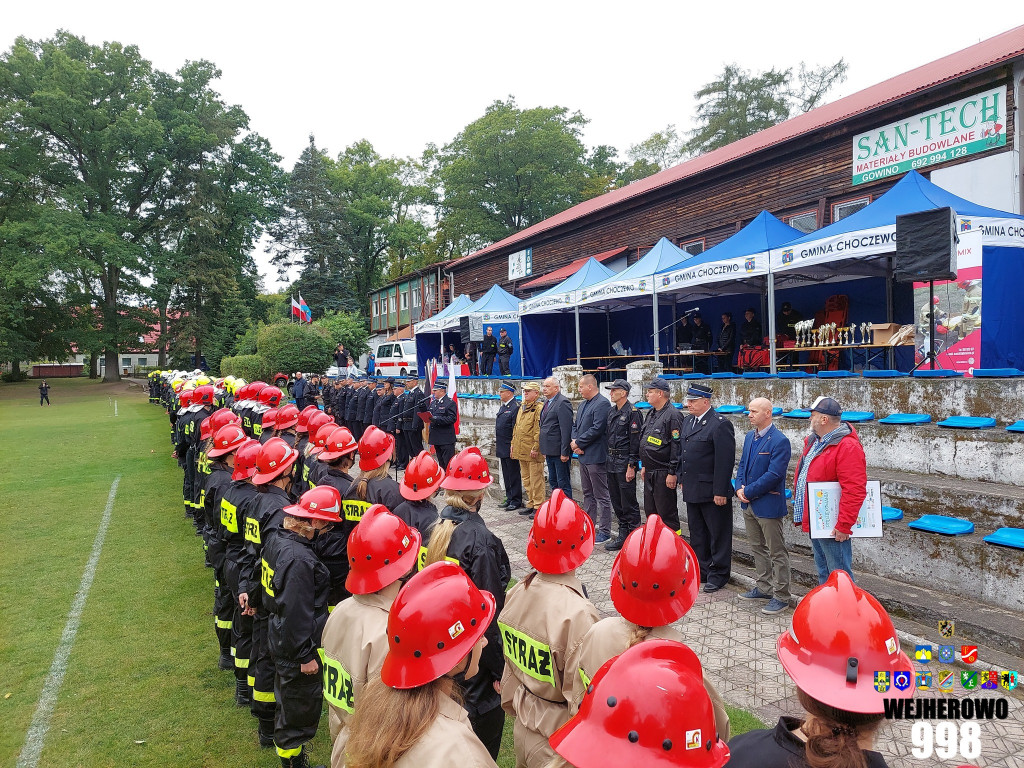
(403, 74)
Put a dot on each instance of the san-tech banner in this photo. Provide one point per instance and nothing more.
(739, 268)
(959, 129)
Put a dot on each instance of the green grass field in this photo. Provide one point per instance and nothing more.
(142, 686)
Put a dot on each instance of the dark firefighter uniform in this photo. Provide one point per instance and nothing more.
(234, 505)
(625, 425)
(482, 556)
(295, 585)
(263, 520)
(505, 349)
(217, 484)
(659, 453)
(351, 406)
(411, 424)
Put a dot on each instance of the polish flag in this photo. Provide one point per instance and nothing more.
(296, 309)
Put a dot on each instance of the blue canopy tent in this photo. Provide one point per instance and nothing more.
(864, 243)
(551, 319)
(429, 333)
(636, 287)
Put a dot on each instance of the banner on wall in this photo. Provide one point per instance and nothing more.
(957, 315)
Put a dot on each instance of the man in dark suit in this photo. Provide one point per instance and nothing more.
(705, 471)
(726, 342)
(590, 444)
(504, 426)
(761, 489)
(299, 391)
(394, 423)
(700, 339)
(411, 424)
(489, 350)
(443, 414)
(556, 434)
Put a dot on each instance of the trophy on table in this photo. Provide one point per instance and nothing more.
(815, 334)
(871, 334)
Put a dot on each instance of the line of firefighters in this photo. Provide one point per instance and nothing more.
(359, 590)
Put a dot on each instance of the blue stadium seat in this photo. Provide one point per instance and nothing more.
(938, 373)
(729, 409)
(798, 413)
(725, 375)
(906, 418)
(1007, 537)
(756, 375)
(968, 422)
(997, 373)
(1017, 426)
(856, 416)
(795, 375)
(948, 526)
(889, 514)
(695, 376)
(642, 405)
(836, 375)
(776, 410)
(670, 376)
(884, 374)
(789, 494)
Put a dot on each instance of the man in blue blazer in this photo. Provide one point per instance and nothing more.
(590, 444)
(761, 489)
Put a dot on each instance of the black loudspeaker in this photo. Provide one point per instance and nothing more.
(926, 246)
(471, 329)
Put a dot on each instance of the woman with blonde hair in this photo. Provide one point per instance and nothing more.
(526, 447)
(410, 717)
(383, 551)
(839, 642)
(655, 581)
(545, 619)
(647, 707)
(462, 536)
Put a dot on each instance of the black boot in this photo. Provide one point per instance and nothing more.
(299, 761)
(266, 732)
(226, 661)
(243, 694)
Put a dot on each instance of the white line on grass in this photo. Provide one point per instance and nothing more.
(33, 748)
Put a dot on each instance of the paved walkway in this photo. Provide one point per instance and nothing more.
(736, 644)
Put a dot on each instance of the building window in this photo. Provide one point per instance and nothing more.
(693, 247)
(841, 210)
(415, 299)
(126, 362)
(805, 221)
(374, 309)
(391, 304)
(405, 300)
(143, 361)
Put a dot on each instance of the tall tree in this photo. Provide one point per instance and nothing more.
(738, 103)
(508, 170)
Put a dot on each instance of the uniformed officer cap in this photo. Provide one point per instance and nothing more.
(697, 390)
(658, 383)
(620, 384)
(412, 377)
(390, 381)
(828, 406)
(509, 386)
(439, 384)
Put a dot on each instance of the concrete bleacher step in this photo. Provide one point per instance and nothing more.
(998, 633)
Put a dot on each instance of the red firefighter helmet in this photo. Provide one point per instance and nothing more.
(270, 396)
(227, 439)
(185, 398)
(221, 418)
(287, 416)
(316, 421)
(562, 535)
(205, 429)
(323, 433)
(269, 420)
(203, 395)
(422, 477)
(839, 638)
(435, 621)
(304, 415)
(320, 503)
(647, 706)
(382, 548)
(467, 471)
(276, 457)
(375, 448)
(655, 577)
(245, 460)
(340, 442)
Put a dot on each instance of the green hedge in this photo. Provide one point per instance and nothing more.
(248, 367)
(290, 347)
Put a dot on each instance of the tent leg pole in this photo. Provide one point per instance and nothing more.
(771, 323)
(657, 336)
(577, 313)
(891, 352)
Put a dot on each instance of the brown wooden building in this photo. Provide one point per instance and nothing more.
(802, 171)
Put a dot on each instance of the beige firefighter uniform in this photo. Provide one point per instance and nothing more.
(544, 621)
(450, 741)
(610, 637)
(355, 642)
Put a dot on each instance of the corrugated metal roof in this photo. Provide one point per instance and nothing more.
(570, 269)
(986, 54)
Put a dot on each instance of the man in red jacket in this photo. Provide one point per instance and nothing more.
(832, 453)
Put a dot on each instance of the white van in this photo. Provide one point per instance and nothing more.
(396, 358)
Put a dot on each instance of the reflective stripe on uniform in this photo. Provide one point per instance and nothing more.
(229, 516)
(267, 579)
(288, 754)
(242, 664)
(584, 679)
(531, 656)
(250, 680)
(221, 624)
(354, 509)
(267, 697)
(338, 688)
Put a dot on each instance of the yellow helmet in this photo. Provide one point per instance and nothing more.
(176, 385)
(202, 381)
